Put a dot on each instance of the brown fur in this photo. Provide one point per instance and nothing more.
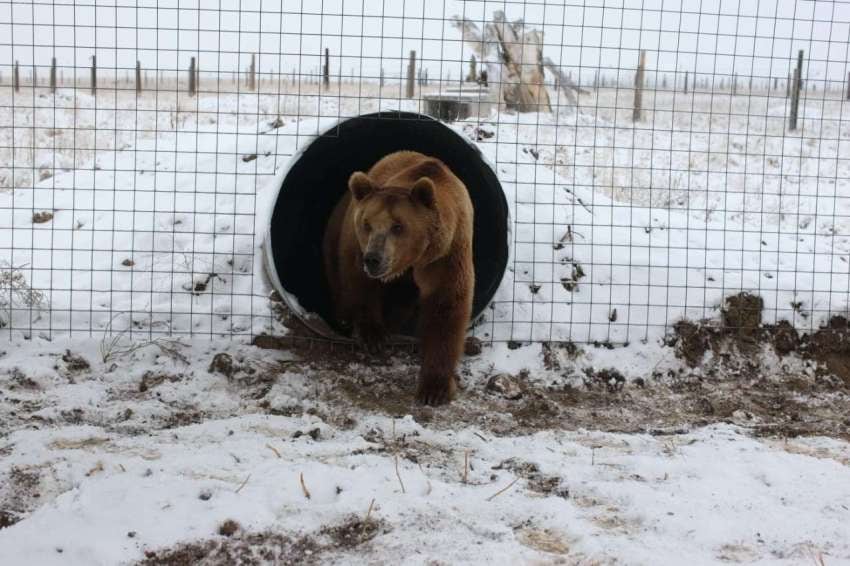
(409, 220)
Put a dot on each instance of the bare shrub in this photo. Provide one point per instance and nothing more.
(16, 293)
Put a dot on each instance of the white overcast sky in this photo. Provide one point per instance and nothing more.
(709, 36)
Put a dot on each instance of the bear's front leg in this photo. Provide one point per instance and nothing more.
(370, 333)
(369, 327)
(444, 322)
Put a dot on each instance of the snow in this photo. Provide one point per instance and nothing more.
(618, 230)
(636, 498)
(664, 220)
(710, 495)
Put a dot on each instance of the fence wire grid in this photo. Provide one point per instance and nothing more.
(657, 156)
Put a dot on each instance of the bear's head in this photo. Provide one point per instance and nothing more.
(393, 224)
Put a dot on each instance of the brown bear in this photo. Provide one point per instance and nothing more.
(398, 245)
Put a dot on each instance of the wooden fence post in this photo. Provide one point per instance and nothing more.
(94, 75)
(473, 72)
(795, 93)
(848, 86)
(636, 111)
(327, 70)
(686, 82)
(252, 74)
(411, 75)
(138, 78)
(53, 74)
(192, 77)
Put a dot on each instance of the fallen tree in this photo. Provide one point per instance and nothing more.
(513, 57)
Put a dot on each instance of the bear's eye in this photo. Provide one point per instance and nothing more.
(397, 229)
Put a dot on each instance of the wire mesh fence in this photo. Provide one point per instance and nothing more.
(656, 157)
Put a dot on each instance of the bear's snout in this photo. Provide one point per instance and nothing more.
(373, 264)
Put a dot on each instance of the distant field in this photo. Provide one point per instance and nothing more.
(620, 229)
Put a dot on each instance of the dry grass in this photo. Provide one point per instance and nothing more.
(15, 293)
(117, 344)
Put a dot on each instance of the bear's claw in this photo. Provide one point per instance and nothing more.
(371, 337)
(435, 391)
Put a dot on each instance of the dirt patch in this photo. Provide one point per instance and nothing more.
(784, 337)
(229, 528)
(19, 495)
(181, 418)
(252, 549)
(538, 482)
(42, 217)
(831, 346)
(608, 379)
(557, 354)
(222, 363)
(740, 332)
(505, 385)
(733, 390)
(691, 341)
(234, 546)
(7, 519)
(20, 380)
(353, 532)
(834, 338)
(151, 379)
(741, 315)
(74, 362)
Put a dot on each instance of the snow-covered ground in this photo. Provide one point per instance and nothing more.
(619, 229)
(114, 451)
(149, 456)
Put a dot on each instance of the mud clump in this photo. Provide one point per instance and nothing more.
(505, 385)
(253, 549)
(557, 353)
(75, 362)
(834, 338)
(315, 434)
(42, 217)
(228, 528)
(741, 316)
(831, 346)
(183, 418)
(20, 380)
(222, 363)
(151, 379)
(538, 482)
(784, 337)
(472, 346)
(610, 379)
(691, 341)
(353, 532)
(7, 519)
(19, 494)
(244, 549)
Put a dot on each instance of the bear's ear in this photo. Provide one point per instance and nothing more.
(360, 185)
(423, 192)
